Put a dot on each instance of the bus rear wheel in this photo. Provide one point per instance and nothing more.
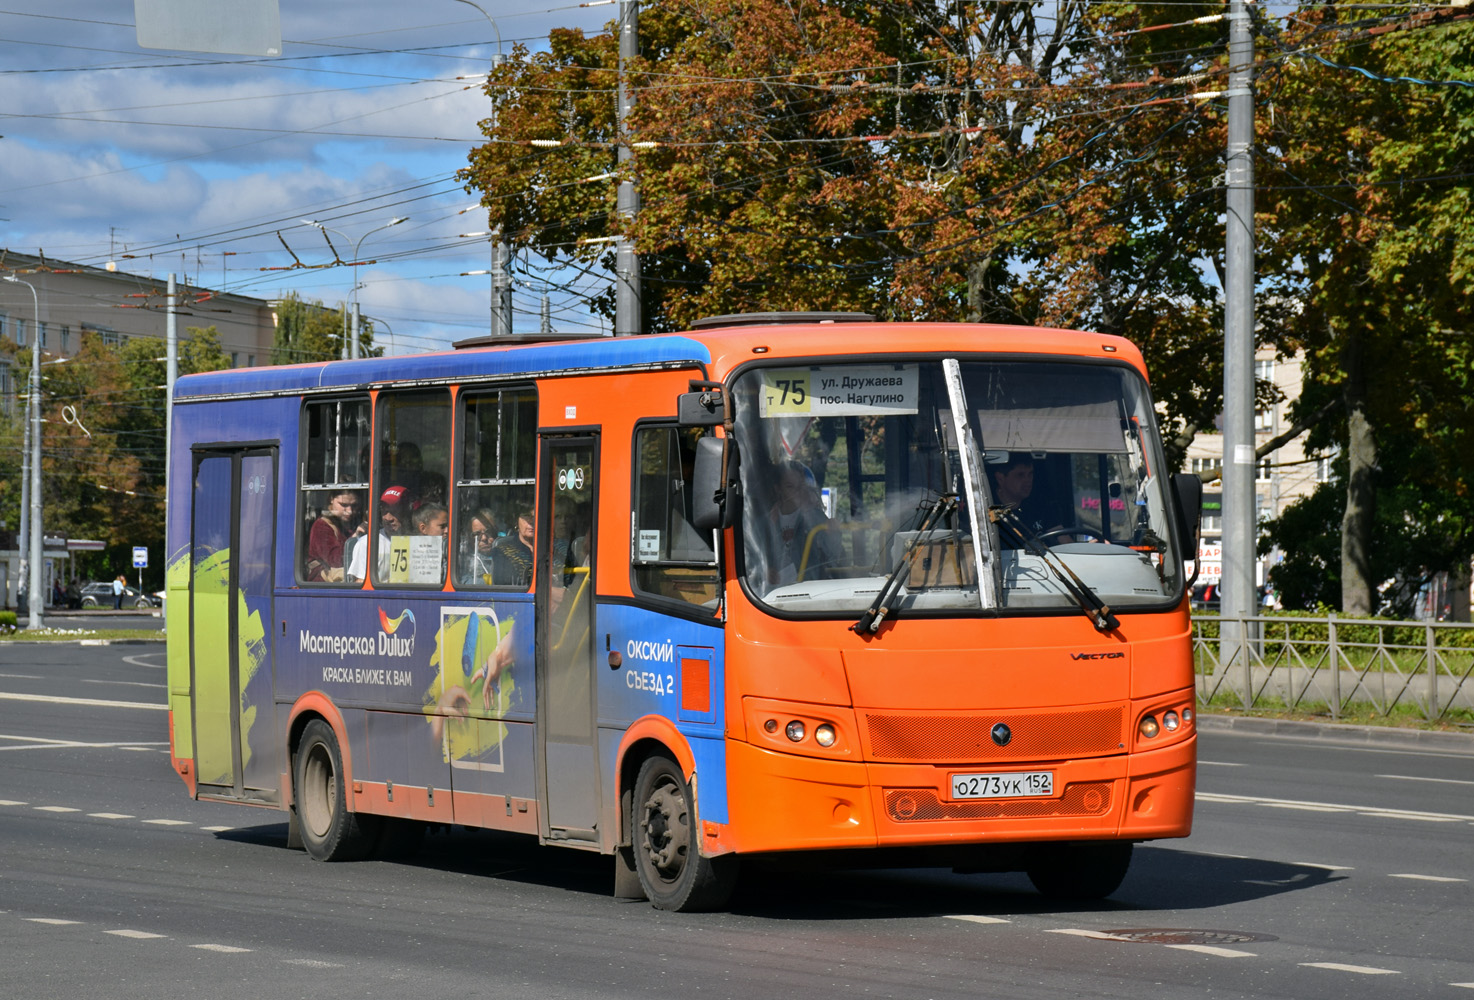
(668, 858)
(330, 832)
(1083, 871)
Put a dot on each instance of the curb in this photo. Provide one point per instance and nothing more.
(1339, 733)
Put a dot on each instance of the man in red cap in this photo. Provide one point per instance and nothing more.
(393, 520)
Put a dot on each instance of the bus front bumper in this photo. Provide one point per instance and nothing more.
(787, 802)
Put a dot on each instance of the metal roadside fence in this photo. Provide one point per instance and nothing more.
(1335, 666)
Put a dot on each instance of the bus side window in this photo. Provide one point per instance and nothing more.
(669, 556)
(495, 489)
(334, 488)
(410, 475)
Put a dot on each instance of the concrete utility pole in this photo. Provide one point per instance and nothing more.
(36, 591)
(501, 255)
(1240, 533)
(171, 353)
(627, 319)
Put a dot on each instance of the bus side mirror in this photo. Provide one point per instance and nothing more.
(711, 504)
(699, 409)
(1189, 491)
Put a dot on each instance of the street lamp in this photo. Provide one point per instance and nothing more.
(350, 349)
(37, 595)
(501, 286)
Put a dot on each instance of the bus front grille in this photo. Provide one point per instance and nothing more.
(968, 739)
(911, 805)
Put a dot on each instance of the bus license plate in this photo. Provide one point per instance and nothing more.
(1007, 785)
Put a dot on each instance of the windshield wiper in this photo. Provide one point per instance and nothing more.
(1099, 613)
(880, 607)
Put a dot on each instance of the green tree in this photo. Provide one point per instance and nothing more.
(309, 331)
(1367, 227)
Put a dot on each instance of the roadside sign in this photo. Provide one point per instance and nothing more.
(140, 557)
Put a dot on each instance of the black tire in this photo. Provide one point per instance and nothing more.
(330, 832)
(1082, 872)
(666, 838)
(89, 602)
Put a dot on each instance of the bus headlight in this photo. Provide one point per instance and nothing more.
(1148, 727)
(824, 735)
(794, 731)
(1170, 721)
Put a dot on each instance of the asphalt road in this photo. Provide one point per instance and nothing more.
(1316, 870)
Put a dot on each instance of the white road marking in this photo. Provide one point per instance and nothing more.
(52, 921)
(57, 809)
(1081, 932)
(11, 802)
(1365, 970)
(1218, 763)
(142, 656)
(973, 918)
(168, 822)
(136, 935)
(110, 815)
(43, 741)
(1255, 800)
(1466, 986)
(312, 963)
(92, 702)
(1208, 949)
(224, 949)
(1317, 864)
(1414, 777)
(1427, 878)
(24, 677)
(217, 829)
(136, 684)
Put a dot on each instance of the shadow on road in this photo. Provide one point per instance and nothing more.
(822, 888)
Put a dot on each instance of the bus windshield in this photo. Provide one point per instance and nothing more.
(845, 467)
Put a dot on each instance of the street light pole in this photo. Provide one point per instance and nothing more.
(37, 597)
(350, 348)
(501, 284)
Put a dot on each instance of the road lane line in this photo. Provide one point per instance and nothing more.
(224, 949)
(1465, 986)
(92, 702)
(110, 815)
(1317, 864)
(52, 921)
(1414, 777)
(217, 829)
(1208, 949)
(312, 963)
(1365, 970)
(1081, 932)
(1218, 763)
(11, 802)
(136, 935)
(973, 918)
(1257, 800)
(56, 809)
(133, 661)
(1427, 878)
(168, 822)
(135, 684)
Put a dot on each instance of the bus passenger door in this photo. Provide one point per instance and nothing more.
(568, 766)
(233, 533)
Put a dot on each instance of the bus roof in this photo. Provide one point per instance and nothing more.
(718, 351)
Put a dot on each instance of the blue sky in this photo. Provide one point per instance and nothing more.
(194, 163)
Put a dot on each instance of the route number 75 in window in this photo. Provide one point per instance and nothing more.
(785, 393)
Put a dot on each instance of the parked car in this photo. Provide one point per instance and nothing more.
(99, 594)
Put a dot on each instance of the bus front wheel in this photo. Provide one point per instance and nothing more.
(330, 832)
(668, 858)
(1080, 871)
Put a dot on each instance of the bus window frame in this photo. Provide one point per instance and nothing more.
(672, 605)
(303, 526)
(481, 391)
(382, 397)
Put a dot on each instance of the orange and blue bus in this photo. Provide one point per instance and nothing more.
(783, 583)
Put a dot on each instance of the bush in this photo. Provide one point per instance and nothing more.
(7, 621)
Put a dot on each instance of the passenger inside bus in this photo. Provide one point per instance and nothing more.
(511, 558)
(338, 523)
(800, 546)
(392, 520)
(477, 547)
